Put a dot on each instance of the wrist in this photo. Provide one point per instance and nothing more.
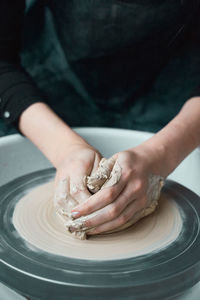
(67, 149)
(154, 155)
(169, 147)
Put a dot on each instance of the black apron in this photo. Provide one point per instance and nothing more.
(116, 63)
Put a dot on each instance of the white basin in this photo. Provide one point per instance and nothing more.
(18, 156)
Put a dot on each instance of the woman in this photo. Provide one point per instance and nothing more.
(115, 51)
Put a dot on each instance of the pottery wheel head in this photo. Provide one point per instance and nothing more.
(35, 220)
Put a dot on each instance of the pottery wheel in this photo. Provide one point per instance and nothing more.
(160, 273)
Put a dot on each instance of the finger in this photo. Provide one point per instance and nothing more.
(99, 200)
(61, 191)
(77, 186)
(78, 183)
(132, 209)
(107, 213)
(114, 209)
(96, 163)
(63, 201)
(79, 190)
(110, 212)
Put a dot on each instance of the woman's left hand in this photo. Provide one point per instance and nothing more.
(159, 155)
(116, 205)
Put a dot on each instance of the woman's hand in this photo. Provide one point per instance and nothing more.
(159, 155)
(114, 206)
(80, 160)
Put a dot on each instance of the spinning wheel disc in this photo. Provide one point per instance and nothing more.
(157, 275)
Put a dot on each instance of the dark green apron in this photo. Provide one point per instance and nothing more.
(128, 64)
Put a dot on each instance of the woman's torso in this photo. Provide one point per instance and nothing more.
(114, 49)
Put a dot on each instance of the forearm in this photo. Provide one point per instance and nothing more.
(177, 139)
(48, 132)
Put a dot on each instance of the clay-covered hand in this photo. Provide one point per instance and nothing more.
(125, 202)
(70, 182)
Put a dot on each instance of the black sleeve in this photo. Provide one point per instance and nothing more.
(195, 92)
(17, 89)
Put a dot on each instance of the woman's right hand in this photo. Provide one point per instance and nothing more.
(79, 161)
(69, 153)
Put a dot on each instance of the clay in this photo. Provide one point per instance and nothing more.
(107, 174)
(36, 221)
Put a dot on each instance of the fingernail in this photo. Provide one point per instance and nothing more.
(75, 214)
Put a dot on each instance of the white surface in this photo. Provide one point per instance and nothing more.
(18, 157)
(8, 294)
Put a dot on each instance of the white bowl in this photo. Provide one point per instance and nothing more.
(18, 156)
